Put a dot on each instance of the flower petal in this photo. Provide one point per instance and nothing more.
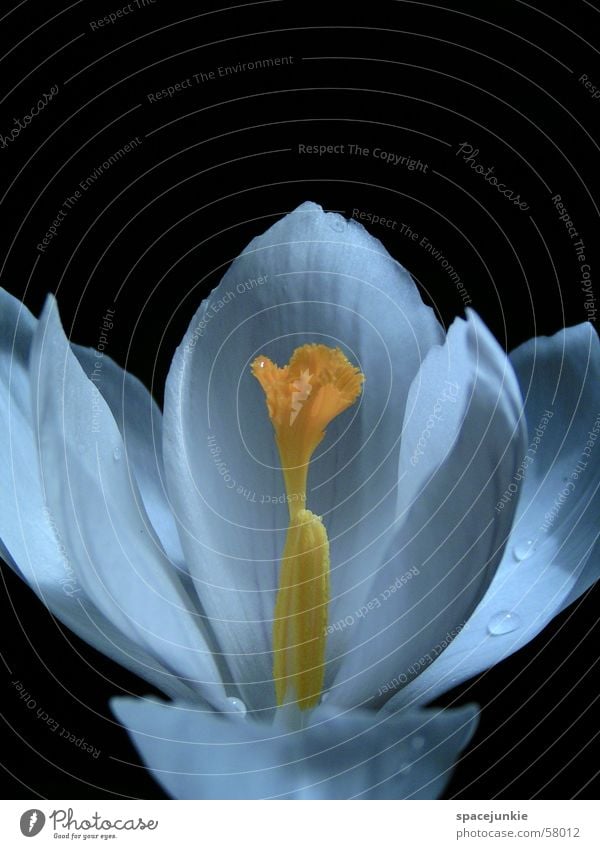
(197, 755)
(562, 486)
(28, 541)
(140, 422)
(547, 563)
(20, 524)
(312, 277)
(463, 437)
(99, 516)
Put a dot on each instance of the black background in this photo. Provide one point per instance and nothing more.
(218, 162)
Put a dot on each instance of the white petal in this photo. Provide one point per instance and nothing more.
(313, 277)
(359, 755)
(28, 538)
(140, 422)
(449, 540)
(99, 516)
(560, 374)
(21, 507)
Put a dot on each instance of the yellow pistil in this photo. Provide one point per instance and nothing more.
(301, 611)
(302, 398)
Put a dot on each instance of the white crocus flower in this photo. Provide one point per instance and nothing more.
(436, 528)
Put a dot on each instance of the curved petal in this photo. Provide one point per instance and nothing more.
(18, 526)
(140, 422)
(463, 437)
(561, 493)
(195, 755)
(312, 277)
(28, 536)
(551, 557)
(97, 510)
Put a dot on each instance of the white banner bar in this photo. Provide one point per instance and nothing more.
(287, 825)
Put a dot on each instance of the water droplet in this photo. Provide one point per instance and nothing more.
(524, 548)
(405, 768)
(503, 623)
(336, 223)
(417, 742)
(237, 706)
(262, 364)
(117, 453)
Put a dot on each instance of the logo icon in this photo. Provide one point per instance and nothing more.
(32, 822)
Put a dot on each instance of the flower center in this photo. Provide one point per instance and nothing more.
(302, 398)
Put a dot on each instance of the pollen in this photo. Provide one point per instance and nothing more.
(302, 398)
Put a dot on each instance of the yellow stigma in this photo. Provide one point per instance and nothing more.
(302, 398)
(317, 384)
